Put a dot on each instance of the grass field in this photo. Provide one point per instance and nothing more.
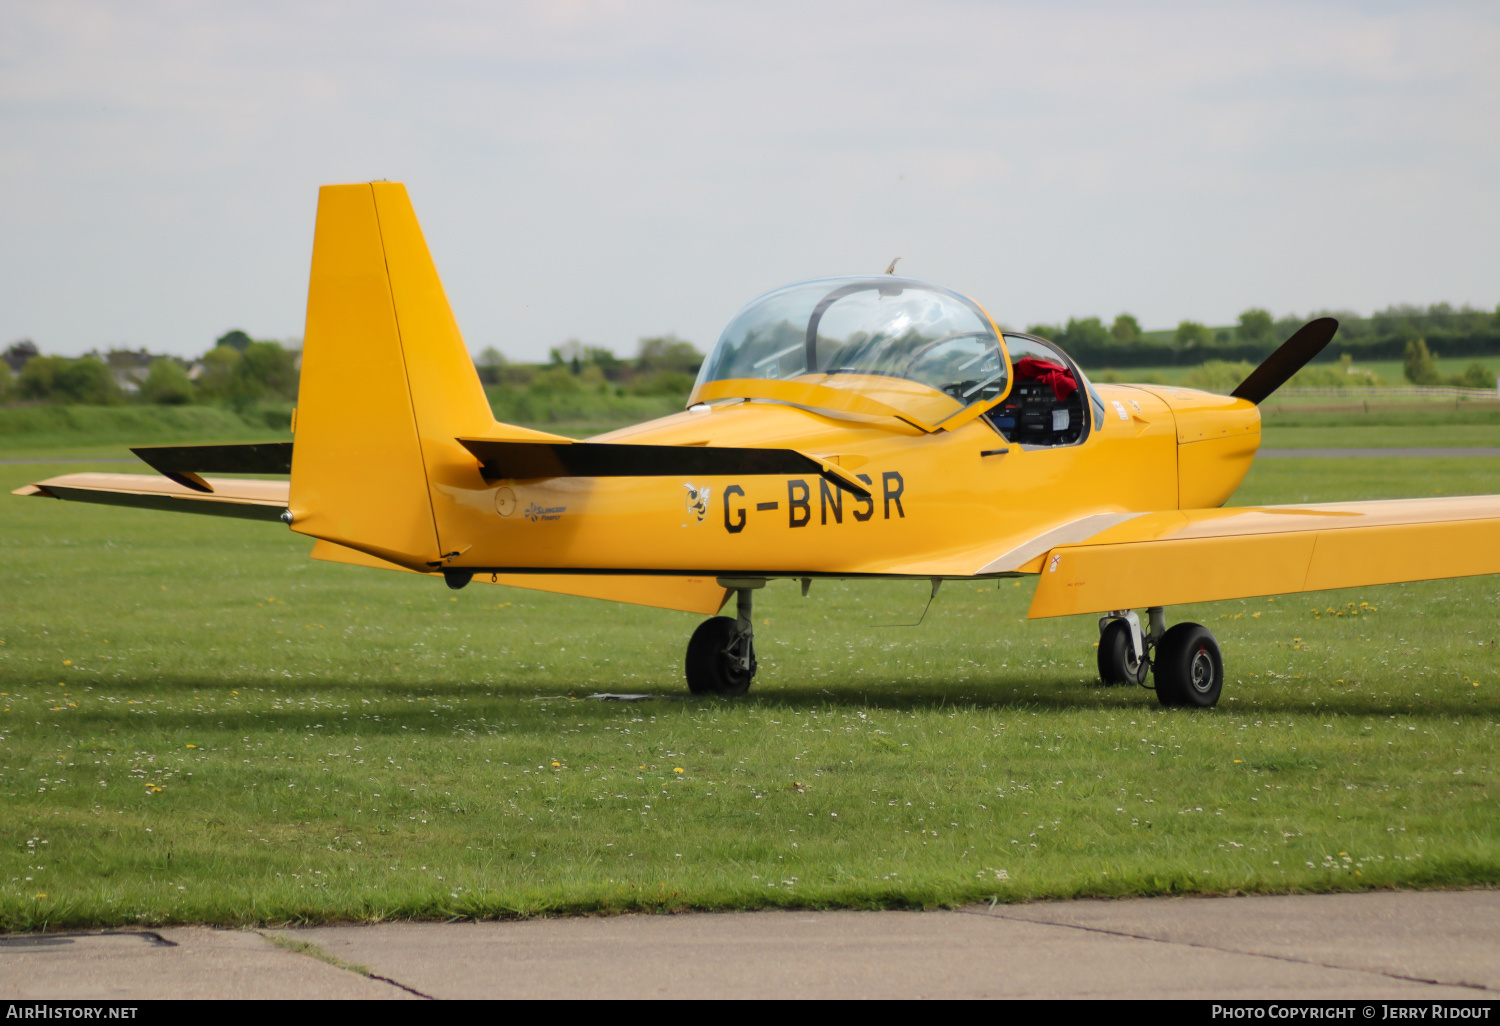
(1381, 436)
(200, 724)
(45, 427)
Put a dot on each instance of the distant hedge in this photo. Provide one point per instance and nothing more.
(48, 425)
(1448, 331)
(1390, 347)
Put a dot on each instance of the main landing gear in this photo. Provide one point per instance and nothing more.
(1185, 660)
(721, 653)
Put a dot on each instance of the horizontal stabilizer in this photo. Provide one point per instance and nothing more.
(183, 463)
(503, 459)
(224, 497)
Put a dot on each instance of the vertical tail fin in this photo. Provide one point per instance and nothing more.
(387, 383)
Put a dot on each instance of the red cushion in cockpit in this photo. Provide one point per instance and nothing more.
(1029, 368)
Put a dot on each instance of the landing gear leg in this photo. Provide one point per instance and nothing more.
(1125, 649)
(1157, 617)
(1123, 657)
(721, 653)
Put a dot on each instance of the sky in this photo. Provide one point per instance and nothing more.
(608, 171)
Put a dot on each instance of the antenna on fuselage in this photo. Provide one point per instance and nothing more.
(892, 269)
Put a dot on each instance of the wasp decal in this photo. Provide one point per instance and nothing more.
(697, 499)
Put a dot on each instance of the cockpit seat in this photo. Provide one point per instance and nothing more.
(1045, 406)
(1054, 375)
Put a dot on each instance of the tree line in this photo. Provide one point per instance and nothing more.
(237, 371)
(1385, 335)
(664, 365)
(242, 372)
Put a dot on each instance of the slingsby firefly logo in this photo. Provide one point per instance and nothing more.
(697, 499)
(535, 512)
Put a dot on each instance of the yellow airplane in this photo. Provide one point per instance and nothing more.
(861, 427)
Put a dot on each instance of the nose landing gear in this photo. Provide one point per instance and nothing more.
(1186, 662)
(721, 652)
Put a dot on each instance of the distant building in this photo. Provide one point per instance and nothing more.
(128, 367)
(18, 353)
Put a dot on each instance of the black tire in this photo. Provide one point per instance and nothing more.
(711, 669)
(1189, 668)
(1117, 661)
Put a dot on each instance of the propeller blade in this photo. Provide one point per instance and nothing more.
(1287, 360)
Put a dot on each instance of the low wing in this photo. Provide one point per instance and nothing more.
(1204, 555)
(223, 497)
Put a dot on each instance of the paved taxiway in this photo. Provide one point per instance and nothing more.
(1415, 946)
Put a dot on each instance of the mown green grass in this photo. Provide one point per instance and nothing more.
(1339, 480)
(1392, 372)
(1345, 436)
(200, 724)
(44, 426)
(1423, 415)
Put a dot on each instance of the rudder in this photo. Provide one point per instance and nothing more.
(387, 383)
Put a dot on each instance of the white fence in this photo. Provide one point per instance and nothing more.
(1399, 391)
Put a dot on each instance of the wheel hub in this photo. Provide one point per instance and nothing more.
(1202, 670)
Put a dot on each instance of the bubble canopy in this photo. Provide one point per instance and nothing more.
(910, 345)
